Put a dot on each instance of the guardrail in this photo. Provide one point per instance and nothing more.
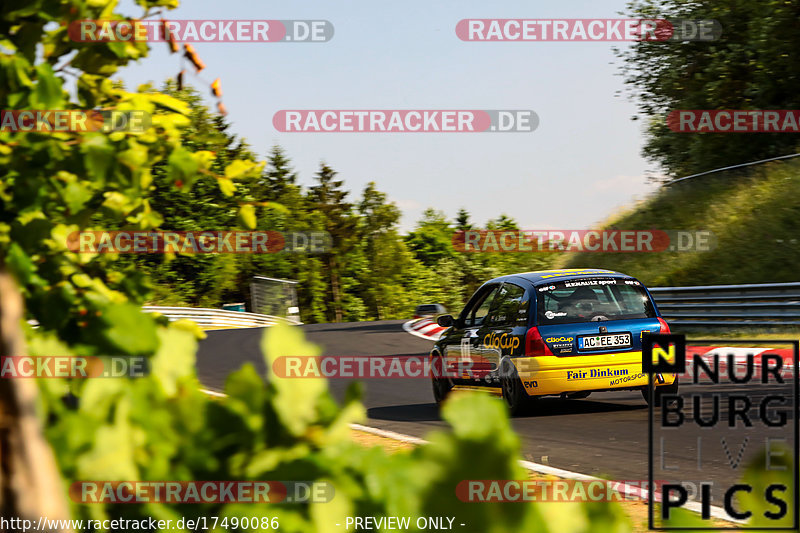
(767, 304)
(741, 165)
(218, 318)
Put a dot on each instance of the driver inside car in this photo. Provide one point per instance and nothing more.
(581, 302)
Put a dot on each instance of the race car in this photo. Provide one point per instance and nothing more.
(564, 332)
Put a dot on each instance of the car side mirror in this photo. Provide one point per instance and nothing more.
(445, 320)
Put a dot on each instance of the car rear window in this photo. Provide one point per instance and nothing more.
(586, 300)
(427, 309)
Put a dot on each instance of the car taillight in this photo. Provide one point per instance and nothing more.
(534, 344)
(664, 325)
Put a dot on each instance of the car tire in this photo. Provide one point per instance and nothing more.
(660, 392)
(441, 385)
(514, 395)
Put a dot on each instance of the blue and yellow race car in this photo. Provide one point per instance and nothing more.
(552, 332)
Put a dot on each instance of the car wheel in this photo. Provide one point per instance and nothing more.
(441, 385)
(514, 395)
(660, 392)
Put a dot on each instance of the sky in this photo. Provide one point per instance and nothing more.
(581, 164)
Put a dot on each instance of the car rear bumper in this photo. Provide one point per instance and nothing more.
(555, 375)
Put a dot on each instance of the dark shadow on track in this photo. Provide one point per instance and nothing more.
(416, 412)
(557, 407)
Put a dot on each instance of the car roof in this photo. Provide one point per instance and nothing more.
(546, 276)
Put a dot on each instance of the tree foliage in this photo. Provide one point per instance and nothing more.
(753, 65)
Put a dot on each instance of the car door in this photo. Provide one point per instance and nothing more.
(503, 332)
(462, 343)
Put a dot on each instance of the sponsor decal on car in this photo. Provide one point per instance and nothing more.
(492, 340)
(596, 373)
(625, 379)
(551, 314)
(574, 272)
(559, 339)
(590, 282)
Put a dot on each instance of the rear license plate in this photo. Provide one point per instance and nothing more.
(600, 342)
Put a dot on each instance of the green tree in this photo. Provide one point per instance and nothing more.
(54, 184)
(462, 220)
(383, 282)
(328, 199)
(752, 66)
(279, 176)
(432, 239)
(207, 204)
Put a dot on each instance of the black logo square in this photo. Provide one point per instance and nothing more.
(658, 347)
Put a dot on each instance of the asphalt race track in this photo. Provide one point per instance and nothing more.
(604, 435)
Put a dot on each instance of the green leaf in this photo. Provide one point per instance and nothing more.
(247, 214)
(171, 103)
(75, 196)
(280, 208)
(111, 457)
(242, 168)
(175, 358)
(98, 156)
(182, 165)
(227, 186)
(48, 93)
(23, 268)
(296, 398)
(130, 330)
(134, 157)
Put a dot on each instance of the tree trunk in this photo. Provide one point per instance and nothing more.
(30, 483)
(335, 290)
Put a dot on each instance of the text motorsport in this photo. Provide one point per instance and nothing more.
(405, 120)
(201, 492)
(199, 242)
(200, 31)
(74, 121)
(583, 241)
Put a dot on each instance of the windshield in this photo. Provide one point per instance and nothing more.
(586, 300)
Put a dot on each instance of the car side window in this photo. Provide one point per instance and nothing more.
(478, 311)
(510, 307)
